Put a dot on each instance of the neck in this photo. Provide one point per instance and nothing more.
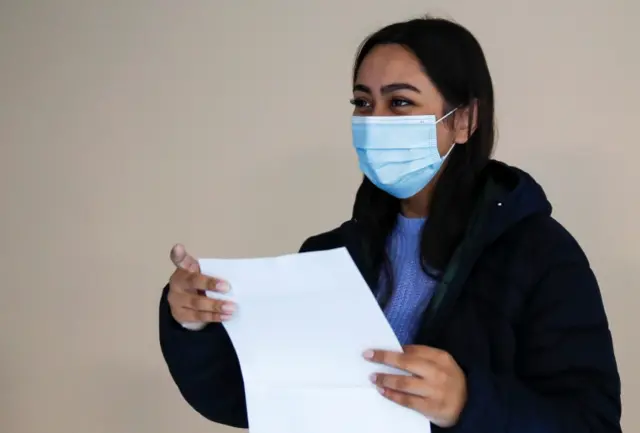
(417, 206)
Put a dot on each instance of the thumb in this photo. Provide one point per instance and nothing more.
(182, 259)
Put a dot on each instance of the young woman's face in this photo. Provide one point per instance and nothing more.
(391, 82)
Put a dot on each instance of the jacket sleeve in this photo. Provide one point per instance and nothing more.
(566, 374)
(204, 366)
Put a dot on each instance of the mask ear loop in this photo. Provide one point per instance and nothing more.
(454, 143)
(446, 115)
(449, 152)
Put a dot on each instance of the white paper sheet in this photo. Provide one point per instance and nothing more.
(302, 324)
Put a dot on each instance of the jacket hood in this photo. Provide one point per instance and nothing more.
(511, 196)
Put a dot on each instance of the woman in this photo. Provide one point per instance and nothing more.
(500, 314)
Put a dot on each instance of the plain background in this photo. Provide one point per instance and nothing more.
(127, 126)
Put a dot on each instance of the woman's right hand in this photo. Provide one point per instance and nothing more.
(189, 304)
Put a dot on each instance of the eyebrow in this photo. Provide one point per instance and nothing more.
(387, 88)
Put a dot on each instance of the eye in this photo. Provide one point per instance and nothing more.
(359, 103)
(399, 102)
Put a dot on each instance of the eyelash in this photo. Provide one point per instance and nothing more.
(357, 102)
(361, 103)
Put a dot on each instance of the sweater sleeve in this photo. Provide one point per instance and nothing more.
(566, 375)
(204, 366)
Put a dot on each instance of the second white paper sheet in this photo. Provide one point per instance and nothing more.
(302, 324)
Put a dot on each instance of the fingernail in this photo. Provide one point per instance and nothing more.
(225, 317)
(228, 308)
(372, 377)
(380, 389)
(368, 354)
(222, 286)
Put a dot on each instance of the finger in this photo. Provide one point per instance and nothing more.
(434, 410)
(207, 305)
(182, 259)
(402, 361)
(203, 282)
(444, 365)
(185, 315)
(407, 400)
(201, 303)
(407, 384)
(432, 354)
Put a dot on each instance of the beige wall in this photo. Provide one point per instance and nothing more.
(127, 126)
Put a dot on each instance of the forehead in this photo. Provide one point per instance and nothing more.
(387, 64)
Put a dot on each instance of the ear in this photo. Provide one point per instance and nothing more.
(466, 122)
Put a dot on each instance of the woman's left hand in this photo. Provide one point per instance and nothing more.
(437, 389)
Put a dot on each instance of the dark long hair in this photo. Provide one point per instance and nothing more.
(455, 63)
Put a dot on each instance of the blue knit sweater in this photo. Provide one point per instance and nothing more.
(412, 288)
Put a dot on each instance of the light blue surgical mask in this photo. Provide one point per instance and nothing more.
(398, 154)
